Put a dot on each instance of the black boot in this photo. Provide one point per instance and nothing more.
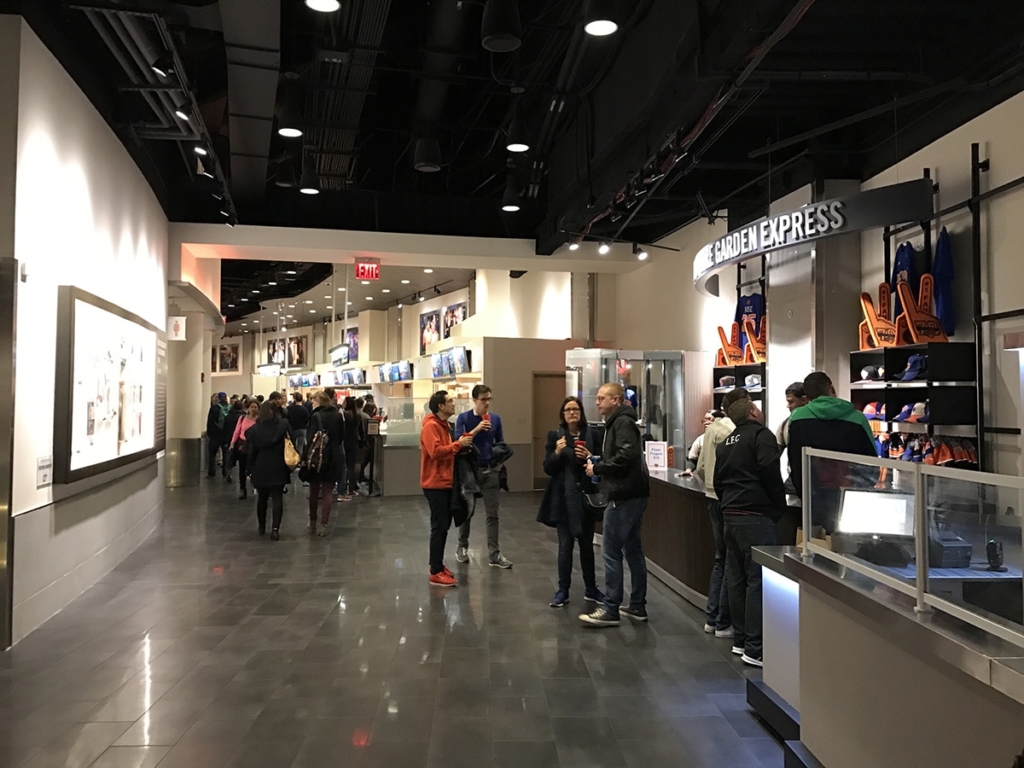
(274, 535)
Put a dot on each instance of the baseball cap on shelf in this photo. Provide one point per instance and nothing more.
(917, 368)
(874, 411)
(752, 381)
(727, 381)
(872, 373)
(913, 413)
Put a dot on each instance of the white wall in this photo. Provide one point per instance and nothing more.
(411, 319)
(84, 216)
(998, 131)
(657, 306)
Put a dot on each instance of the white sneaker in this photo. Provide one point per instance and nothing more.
(727, 632)
(737, 650)
(751, 661)
(709, 628)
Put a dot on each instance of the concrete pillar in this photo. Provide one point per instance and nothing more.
(187, 361)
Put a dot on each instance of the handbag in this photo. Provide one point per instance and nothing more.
(595, 500)
(291, 456)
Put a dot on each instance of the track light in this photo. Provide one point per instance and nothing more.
(427, 155)
(323, 6)
(400, 305)
(518, 135)
(574, 245)
(604, 248)
(285, 176)
(600, 18)
(181, 109)
(200, 150)
(164, 64)
(640, 252)
(231, 221)
(501, 30)
(423, 298)
(309, 184)
(510, 200)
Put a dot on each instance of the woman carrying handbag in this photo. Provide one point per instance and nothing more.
(324, 463)
(571, 503)
(239, 448)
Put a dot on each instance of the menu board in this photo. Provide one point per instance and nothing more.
(107, 398)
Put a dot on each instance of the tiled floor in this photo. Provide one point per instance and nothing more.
(211, 647)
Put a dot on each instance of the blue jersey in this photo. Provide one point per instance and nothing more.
(749, 308)
(943, 273)
(903, 268)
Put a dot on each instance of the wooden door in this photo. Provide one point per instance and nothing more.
(548, 394)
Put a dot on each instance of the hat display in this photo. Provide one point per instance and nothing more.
(917, 368)
(874, 411)
(727, 381)
(752, 381)
(913, 413)
(872, 373)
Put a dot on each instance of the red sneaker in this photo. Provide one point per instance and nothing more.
(443, 579)
(444, 569)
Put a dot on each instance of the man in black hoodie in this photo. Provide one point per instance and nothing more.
(625, 483)
(749, 487)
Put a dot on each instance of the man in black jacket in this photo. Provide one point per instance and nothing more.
(626, 485)
(749, 486)
(298, 420)
(217, 441)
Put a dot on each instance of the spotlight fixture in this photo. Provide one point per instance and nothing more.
(423, 298)
(309, 184)
(437, 291)
(200, 150)
(427, 155)
(323, 6)
(599, 18)
(510, 200)
(164, 64)
(640, 252)
(285, 176)
(604, 248)
(400, 305)
(518, 135)
(501, 30)
(289, 124)
(181, 109)
(231, 221)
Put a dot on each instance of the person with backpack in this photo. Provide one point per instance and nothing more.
(324, 462)
(215, 438)
(267, 467)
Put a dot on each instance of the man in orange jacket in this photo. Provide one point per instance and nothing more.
(437, 467)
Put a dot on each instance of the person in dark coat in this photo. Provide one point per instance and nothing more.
(234, 415)
(215, 437)
(327, 420)
(266, 467)
(353, 439)
(564, 506)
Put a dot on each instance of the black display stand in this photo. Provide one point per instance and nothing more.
(740, 372)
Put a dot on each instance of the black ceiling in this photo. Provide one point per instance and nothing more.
(691, 106)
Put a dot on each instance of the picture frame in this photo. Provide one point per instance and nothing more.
(430, 329)
(453, 315)
(228, 358)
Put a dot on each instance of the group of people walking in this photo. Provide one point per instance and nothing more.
(267, 440)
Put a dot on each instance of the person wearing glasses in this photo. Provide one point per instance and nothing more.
(565, 506)
(486, 428)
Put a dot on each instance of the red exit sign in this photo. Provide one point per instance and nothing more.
(367, 270)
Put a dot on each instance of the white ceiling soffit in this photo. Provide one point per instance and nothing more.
(329, 246)
(252, 38)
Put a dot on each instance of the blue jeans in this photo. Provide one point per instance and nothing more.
(620, 536)
(717, 613)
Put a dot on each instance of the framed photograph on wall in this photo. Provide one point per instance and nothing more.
(430, 329)
(213, 359)
(106, 398)
(454, 315)
(297, 352)
(227, 358)
(276, 352)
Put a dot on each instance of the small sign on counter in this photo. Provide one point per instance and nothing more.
(657, 454)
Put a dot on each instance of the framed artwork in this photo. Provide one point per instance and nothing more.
(352, 339)
(430, 329)
(213, 359)
(296, 352)
(454, 315)
(227, 358)
(276, 352)
(106, 398)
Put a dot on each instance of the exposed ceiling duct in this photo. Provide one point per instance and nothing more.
(252, 39)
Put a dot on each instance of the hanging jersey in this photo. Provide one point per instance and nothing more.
(751, 308)
(904, 267)
(943, 273)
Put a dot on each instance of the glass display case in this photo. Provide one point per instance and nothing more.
(405, 418)
(587, 369)
(949, 539)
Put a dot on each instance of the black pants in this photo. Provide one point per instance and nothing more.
(242, 460)
(565, 546)
(275, 495)
(440, 502)
(717, 613)
(350, 469)
(215, 446)
(742, 534)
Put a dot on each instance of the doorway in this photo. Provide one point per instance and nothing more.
(548, 394)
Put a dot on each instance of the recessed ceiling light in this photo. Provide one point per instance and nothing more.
(341, 290)
(369, 298)
(324, 6)
(385, 290)
(291, 272)
(327, 296)
(312, 311)
(330, 306)
(574, 246)
(244, 323)
(244, 299)
(365, 282)
(405, 282)
(255, 291)
(308, 301)
(290, 316)
(255, 322)
(348, 303)
(271, 283)
(291, 306)
(231, 306)
(428, 270)
(276, 313)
